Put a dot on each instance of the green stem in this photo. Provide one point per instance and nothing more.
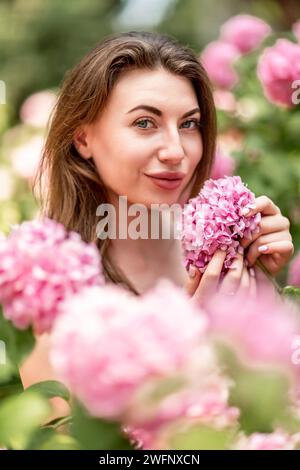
(56, 423)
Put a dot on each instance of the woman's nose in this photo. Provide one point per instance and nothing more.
(172, 150)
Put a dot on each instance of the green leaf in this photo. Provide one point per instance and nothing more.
(262, 395)
(18, 343)
(10, 382)
(292, 293)
(48, 439)
(50, 389)
(97, 434)
(15, 346)
(57, 422)
(201, 437)
(20, 416)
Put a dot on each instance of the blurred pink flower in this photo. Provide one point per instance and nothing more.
(278, 67)
(261, 329)
(224, 165)
(218, 59)
(225, 100)
(245, 32)
(278, 440)
(215, 220)
(26, 158)
(205, 402)
(230, 141)
(40, 264)
(36, 109)
(296, 30)
(294, 271)
(122, 343)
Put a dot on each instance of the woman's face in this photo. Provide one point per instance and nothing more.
(130, 144)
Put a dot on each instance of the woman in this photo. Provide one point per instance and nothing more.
(99, 148)
(140, 104)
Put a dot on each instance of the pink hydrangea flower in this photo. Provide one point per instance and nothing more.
(278, 440)
(225, 100)
(40, 264)
(278, 67)
(122, 343)
(260, 329)
(215, 220)
(37, 108)
(296, 30)
(294, 272)
(204, 402)
(224, 165)
(218, 58)
(26, 158)
(245, 32)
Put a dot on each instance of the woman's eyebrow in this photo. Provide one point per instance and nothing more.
(158, 112)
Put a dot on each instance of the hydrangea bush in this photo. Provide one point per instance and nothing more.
(151, 372)
(259, 110)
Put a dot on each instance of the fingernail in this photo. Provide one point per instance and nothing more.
(263, 248)
(192, 271)
(233, 266)
(241, 250)
(245, 211)
(252, 272)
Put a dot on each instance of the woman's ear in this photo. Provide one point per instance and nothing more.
(81, 143)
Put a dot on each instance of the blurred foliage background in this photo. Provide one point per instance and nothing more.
(41, 39)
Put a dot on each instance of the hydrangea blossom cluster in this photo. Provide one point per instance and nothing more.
(218, 58)
(145, 361)
(36, 109)
(122, 342)
(261, 329)
(216, 219)
(203, 402)
(278, 67)
(40, 265)
(245, 32)
(277, 440)
(224, 165)
(239, 35)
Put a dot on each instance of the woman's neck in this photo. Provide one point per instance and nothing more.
(144, 261)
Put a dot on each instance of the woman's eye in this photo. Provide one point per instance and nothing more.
(143, 121)
(196, 123)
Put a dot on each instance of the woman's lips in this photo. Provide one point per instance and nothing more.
(165, 183)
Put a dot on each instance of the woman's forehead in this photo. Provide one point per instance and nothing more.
(157, 88)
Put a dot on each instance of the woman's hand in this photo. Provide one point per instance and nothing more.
(239, 279)
(273, 244)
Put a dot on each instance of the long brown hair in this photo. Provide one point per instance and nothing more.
(74, 188)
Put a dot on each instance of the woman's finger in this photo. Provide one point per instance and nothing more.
(245, 282)
(210, 279)
(269, 224)
(193, 280)
(253, 282)
(265, 206)
(263, 285)
(270, 245)
(254, 249)
(232, 279)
